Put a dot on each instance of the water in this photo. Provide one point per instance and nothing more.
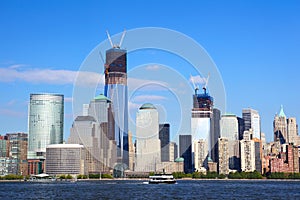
(133, 189)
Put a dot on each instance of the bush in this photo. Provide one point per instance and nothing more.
(106, 176)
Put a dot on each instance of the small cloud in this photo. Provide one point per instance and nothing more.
(146, 85)
(133, 106)
(148, 98)
(11, 102)
(49, 76)
(12, 113)
(68, 99)
(153, 67)
(17, 66)
(197, 80)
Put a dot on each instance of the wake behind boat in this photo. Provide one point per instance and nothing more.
(162, 178)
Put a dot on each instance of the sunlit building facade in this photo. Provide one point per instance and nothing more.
(45, 123)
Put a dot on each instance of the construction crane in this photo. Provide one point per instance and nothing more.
(121, 40)
(206, 82)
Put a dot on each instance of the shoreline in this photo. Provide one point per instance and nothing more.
(145, 179)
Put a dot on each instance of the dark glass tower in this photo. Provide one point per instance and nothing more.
(116, 90)
(164, 136)
(185, 151)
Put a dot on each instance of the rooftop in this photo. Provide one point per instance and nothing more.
(147, 106)
(101, 97)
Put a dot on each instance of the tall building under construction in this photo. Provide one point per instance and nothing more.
(116, 90)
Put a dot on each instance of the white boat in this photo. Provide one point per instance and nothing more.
(162, 178)
(41, 178)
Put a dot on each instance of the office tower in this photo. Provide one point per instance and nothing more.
(164, 136)
(252, 121)
(45, 123)
(173, 151)
(18, 143)
(116, 90)
(241, 124)
(147, 139)
(4, 146)
(93, 132)
(65, 159)
(292, 130)
(85, 109)
(280, 127)
(185, 151)
(223, 164)
(258, 154)
(247, 152)
(229, 130)
(202, 112)
(85, 131)
(131, 151)
(215, 133)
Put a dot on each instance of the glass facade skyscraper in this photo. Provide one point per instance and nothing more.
(45, 125)
(116, 90)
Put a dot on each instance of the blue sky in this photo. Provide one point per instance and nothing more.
(254, 44)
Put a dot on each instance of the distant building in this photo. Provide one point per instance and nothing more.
(173, 151)
(252, 121)
(285, 129)
(202, 113)
(4, 146)
(18, 143)
(85, 109)
(185, 151)
(292, 129)
(164, 136)
(287, 162)
(131, 151)
(223, 163)
(258, 154)
(65, 159)
(45, 123)
(241, 127)
(230, 130)
(215, 132)
(148, 153)
(280, 127)
(170, 167)
(116, 90)
(247, 152)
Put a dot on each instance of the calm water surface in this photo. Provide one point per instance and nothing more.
(121, 189)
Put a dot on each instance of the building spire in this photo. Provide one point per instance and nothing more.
(281, 113)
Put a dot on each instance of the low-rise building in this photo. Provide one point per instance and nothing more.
(65, 159)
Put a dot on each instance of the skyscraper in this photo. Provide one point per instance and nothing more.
(229, 130)
(292, 129)
(247, 152)
(202, 113)
(94, 132)
(164, 136)
(185, 151)
(215, 133)
(116, 90)
(252, 121)
(280, 127)
(223, 165)
(45, 126)
(148, 153)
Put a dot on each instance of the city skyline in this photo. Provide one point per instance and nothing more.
(43, 54)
